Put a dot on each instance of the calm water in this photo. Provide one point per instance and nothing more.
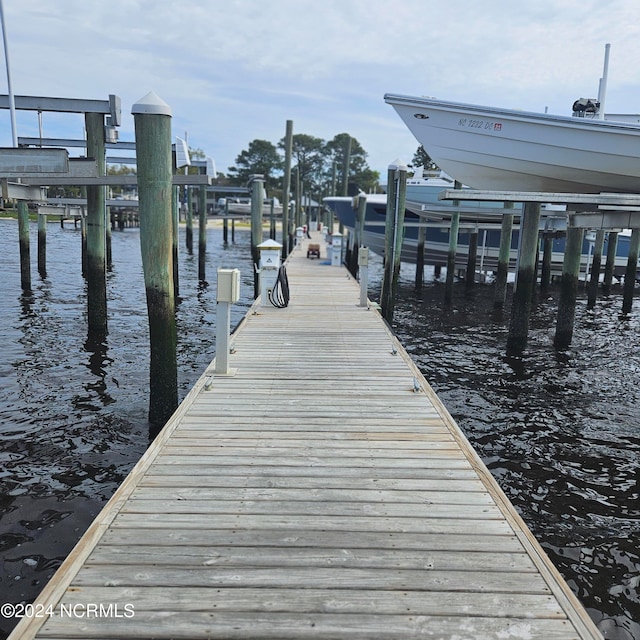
(560, 431)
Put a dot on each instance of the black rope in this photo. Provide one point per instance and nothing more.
(279, 295)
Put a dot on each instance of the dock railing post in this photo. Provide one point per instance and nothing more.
(525, 283)
(152, 121)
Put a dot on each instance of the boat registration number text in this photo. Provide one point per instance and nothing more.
(485, 125)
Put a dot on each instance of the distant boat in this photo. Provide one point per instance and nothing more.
(242, 206)
(503, 149)
(483, 218)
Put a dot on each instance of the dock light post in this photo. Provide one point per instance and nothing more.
(152, 120)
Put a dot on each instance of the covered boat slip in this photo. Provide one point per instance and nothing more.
(321, 491)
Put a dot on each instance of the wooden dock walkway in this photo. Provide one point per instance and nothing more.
(314, 494)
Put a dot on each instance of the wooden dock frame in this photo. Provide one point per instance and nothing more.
(323, 491)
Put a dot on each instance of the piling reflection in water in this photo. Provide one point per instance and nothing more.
(558, 429)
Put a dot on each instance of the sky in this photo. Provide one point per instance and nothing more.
(236, 70)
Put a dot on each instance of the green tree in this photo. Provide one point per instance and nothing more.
(261, 157)
(309, 158)
(359, 171)
(422, 159)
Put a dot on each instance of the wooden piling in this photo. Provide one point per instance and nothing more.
(547, 254)
(422, 233)
(24, 243)
(454, 229)
(257, 197)
(451, 256)
(96, 223)
(394, 224)
(202, 232)
(225, 231)
(472, 259)
(83, 241)
(286, 189)
(152, 119)
(631, 271)
(189, 227)
(596, 265)
(612, 248)
(525, 282)
(506, 232)
(175, 212)
(109, 226)
(272, 219)
(568, 288)
(42, 245)
(361, 213)
(346, 164)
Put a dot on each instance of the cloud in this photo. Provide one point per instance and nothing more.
(237, 70)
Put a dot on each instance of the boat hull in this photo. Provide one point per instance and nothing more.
(500, 149)
(436, 247)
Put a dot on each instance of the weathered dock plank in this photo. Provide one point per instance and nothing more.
(313, 494)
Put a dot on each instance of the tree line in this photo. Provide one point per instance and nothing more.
(316, 163)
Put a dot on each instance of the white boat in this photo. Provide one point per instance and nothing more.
(475, 217)
(482, 218)
(503, 149)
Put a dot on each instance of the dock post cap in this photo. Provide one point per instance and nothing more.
(152, 103)
(397, 165)
(269, 244)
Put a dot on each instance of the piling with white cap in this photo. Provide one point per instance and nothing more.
(152, 118)
(396, 196)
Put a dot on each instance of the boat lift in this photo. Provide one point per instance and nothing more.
(599, 212)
